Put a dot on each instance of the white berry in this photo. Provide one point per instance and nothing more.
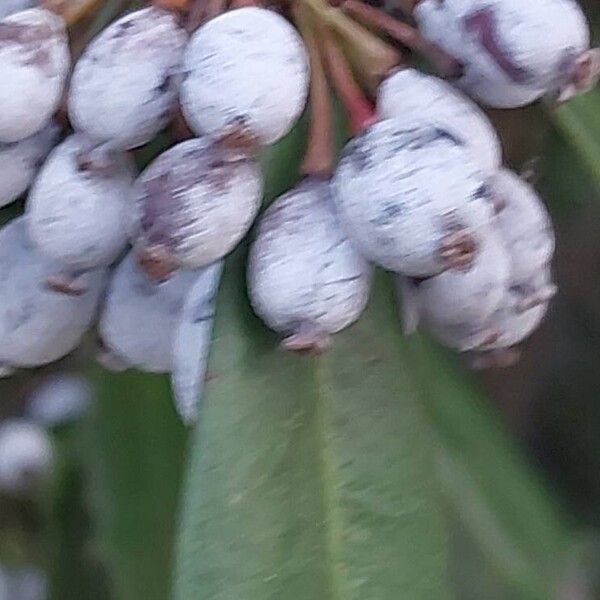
(34, 63)
(471, 295)
(25, 456)
(79, 217)
(38, 326)
(525, 226)
(125, 85)
(305, 280)
(59, 399)
(195, 201)
(8, 7)
(513, 51)
(246, 75)
(141, 317)
(412, 97)
(412, 199)
(20, 162)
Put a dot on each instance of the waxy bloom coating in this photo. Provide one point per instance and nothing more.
(246, 75)
(34, 63)
(412, 97)
(195, 202)
(125, 85)
(20, 162)
(38, 326)
(303, 272)
(141, 317)
(402, 192)
(471, 295)
(512, 51)
(525, 226)
(78, 217)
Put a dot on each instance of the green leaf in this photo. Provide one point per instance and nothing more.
(489, 484)
(135, 455)
(74, 567)
(579, 121)
(310, 477)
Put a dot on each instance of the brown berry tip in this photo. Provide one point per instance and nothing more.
(500, 358)
(66, 284)
(458, 249)
(157, 262)
(309, 339)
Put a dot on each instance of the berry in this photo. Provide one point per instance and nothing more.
(25, 456)
(34, 63)
(196, 201)
(471, 295)
(78, 217)
(8, 7)
(246, 77)
(412, 199)
(192, 342)
(59, 399)
(140, 319)
(525, 226)
(411, 97)
(124, 87)
(20, 161)
(305, 280)
(514, 52)
(37, 325)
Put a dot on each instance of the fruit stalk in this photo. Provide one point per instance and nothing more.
(404, 33)
(360, 111)
(318, 160)
(371, 58)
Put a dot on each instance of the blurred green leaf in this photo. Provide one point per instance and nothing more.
(489, 484)
(135, 455)
(310, 477)
(73, 565)
(579, 121)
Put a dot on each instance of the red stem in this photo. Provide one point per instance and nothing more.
(360, 111)
(404, 33)
(318, 158)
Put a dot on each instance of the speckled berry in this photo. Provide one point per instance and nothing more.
(34, 63)
(471, 295)
(525, 226)
(79, 217)
(512, 51)
(414, 98)
(140, 318)
(412, 199)
(195, 202)
(305, 280)
(20, 162)
(25, 457)
(246, 77)
(37, 325)
(124, 86)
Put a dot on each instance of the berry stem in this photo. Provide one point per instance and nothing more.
(372, 59)
(179, 6)
(243, 3)
(318, 159)
(71, 11)
(359, 109)
(404, 33)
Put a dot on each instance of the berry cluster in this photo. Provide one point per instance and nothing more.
(420, 190)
